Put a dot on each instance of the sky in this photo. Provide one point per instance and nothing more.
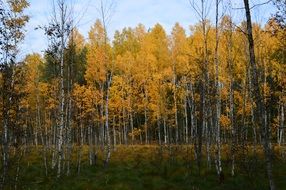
(128, 13)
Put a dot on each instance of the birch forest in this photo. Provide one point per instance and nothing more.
(194, 108)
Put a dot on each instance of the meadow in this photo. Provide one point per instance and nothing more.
(152, 167)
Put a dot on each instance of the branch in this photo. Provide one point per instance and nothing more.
(195, 7)
(256, 5)
(240, 29)
(260, 4)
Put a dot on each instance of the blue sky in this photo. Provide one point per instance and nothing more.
(127, 13)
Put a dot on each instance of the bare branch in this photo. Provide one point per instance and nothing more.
(195, 7)
(256, 5)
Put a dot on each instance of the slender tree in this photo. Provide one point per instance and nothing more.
(12, 23)
(58, 32)
(258, 98)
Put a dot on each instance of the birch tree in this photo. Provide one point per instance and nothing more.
(12, 23)
(202, 11)
(218, 93)
(58, 31)
(258, 98)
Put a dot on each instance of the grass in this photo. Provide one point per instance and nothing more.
(149, 167)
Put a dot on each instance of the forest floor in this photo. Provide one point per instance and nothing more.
(152, 167)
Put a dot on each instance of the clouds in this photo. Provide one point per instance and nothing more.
(35, 39)
(125, 13)
(150, 12)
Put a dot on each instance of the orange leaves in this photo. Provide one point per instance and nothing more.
(85, 99)
(50, 90)
(225, 122)
(136, 132)
(97, 34)
(98, 56)
(95, 71)
(18, 5)
(180, 49)
(125, 64)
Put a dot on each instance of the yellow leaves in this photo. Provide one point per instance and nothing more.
(33, 63)
(120, 94)
(24, 104)
(18, 5)
(96, 66)
(126, 41)
(154, 55)
(180, 49)
(275, 124)
(41, 95)
(136, 132)
(266, 90)
(125, 64)
(85, 99)
(97, 34)
(144, 65)
(44, 88)
(224, 93)
(98, 56)
(77, 40)
(51, 94)
(225, 121)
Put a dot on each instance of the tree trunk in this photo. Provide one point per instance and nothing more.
(281, 127)
(218, 95)
(132, 127)
(186, 119)
(114, 133)
(5, 145)
(91, 149)
(62, 89)
(159, 130)
(165, 130)
(258, 99)
(80, 147)
(101, 130)
(146, 118)
(175, 102)
(124, 127)
(108, 153)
